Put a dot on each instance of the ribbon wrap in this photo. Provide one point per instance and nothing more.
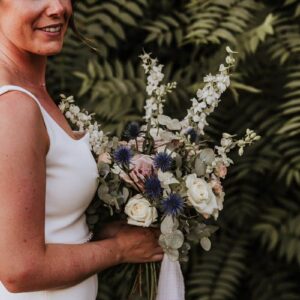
(171, 282)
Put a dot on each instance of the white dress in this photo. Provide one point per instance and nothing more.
(71, 183)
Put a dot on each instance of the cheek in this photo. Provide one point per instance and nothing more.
(16, 29)
(17, 25)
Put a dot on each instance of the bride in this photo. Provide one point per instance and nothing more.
(48, 175)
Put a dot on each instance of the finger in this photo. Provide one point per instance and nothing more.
(158, 250)
(157, 257)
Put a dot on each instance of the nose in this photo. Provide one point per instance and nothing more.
(56, 8)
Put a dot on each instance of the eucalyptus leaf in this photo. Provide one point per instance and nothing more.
(205, 243)
(186, 247)
(207, 155)
(103, 169)
(178, 161)
(125, 193)
(91, 210)
(200, 167)
(102, 190)
(162, 241)
(173, 254)
(168, 225)
(92, 219)
(175, 239)
(178, 173)
(109, 199)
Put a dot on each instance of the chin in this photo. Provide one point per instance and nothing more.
(48, 51)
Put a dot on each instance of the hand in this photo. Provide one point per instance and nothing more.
(109, 230)
(138, 244)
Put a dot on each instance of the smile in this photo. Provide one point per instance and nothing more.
(52, 28)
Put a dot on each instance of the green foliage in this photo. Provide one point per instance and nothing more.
(285, 42)
(113, 86)
(279, 228)
(106, 21)
(167, 29)
(256, 252)
(216, 21)
(218, 273)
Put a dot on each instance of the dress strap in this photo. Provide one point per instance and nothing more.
(47, 120)
(6, 88)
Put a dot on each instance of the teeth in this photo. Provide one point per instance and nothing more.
(51, 29)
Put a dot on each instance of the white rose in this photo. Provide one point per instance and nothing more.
(200, 195)
(166, 178)
(140, 212)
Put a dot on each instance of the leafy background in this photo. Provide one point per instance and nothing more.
(256, 252)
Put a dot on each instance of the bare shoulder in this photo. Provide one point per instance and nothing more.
(21, 118)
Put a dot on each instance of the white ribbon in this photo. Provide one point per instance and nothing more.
(171, 282)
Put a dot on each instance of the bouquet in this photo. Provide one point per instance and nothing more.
(165, 172)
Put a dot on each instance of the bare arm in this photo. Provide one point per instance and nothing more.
(23, 252)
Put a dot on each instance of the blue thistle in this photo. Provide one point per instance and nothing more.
(193, 134)
(133, 130)
(153, 189)
(173, 205)
(123, 155)
(163, 161)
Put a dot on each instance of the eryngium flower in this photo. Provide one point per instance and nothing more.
(133, 130)
(192, 133)
(123, 155)
(163, 161)
(152, 187)
(173, 205)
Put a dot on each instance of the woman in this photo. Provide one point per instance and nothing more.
(47, 174)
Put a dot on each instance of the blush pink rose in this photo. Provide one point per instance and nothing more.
(105, 158)
(216, 186)
(142, 166)
(221, 170)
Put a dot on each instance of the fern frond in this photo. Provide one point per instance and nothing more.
(114, 86)
(105, 21)
(279, 226)
(285, 43)
(216, 275)
(167, 29)
(217, 21)
(271, 279)
(251, 39)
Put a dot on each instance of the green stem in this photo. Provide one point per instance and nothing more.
(147, 278)
(140, 280)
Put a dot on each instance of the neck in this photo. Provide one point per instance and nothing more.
(28, 67)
